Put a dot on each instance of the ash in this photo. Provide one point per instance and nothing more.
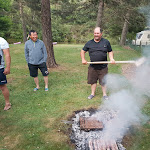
(82, 138)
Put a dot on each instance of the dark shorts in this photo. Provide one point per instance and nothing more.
(94, 75)
(3, 79)
(34, 69)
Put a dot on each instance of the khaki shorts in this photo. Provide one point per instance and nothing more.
(94, 75)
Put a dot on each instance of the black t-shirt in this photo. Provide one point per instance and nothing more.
(98, 51)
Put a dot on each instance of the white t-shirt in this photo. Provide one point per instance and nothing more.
(3, 45)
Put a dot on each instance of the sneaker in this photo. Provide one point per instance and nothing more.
(90, 96)
(46, 89)
(105, 97)
(35, 89)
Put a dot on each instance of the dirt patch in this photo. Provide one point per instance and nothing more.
(10, 142)
(57, 69)
(62, 67)
(10, 80)
(55, 136)
(128, 70)
(128, 140)
(128, 47)
(49, 122)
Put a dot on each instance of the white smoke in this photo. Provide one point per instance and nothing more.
(126, 100)
(142, 80)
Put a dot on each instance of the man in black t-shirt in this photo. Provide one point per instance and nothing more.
(98, 49)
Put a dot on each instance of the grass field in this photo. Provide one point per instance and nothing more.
(35, 119)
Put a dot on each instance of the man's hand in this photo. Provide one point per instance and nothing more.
(84, 62)
(111, 57)
(112, 61)
(82, 53)
(6, 71)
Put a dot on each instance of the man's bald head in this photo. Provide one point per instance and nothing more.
(97, 34)
(98, 29)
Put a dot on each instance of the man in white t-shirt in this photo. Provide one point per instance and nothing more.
(4, 52)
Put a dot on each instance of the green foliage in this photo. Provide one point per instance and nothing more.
(34, 4)
(31, 17)
(4, 5)
(5, 21)
(4, 25)
(115, 16)
(61, 32)
(74, 20)
(82, 17)
(137, 23)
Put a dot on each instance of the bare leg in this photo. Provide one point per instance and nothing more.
(46, 81)
(104, 90)
(93, 88)
(36, 80)
(5, 92)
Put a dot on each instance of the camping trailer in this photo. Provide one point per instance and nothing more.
(142, 38)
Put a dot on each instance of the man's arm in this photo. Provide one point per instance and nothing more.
(26, 51)
(45, 53)
(111, 57)
(8, 61)
(82, 53)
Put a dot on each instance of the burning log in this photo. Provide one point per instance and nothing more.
(102, 145)
(90, 145)
(90, 124)
(114, 145)
(95, 144)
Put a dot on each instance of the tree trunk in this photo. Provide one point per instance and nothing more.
(125, 29)
(23, 22)
(47, 32)
(100, 13)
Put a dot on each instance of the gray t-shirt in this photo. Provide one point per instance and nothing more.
(3, 45)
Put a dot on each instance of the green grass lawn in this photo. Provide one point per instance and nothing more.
(35, 119)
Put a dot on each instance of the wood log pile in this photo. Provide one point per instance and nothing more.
(100, 144)
(91, 123)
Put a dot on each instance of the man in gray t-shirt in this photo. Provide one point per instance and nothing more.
(4, 52)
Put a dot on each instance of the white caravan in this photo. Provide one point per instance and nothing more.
(142, 38)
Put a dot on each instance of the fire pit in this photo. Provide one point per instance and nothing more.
(88, 133)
